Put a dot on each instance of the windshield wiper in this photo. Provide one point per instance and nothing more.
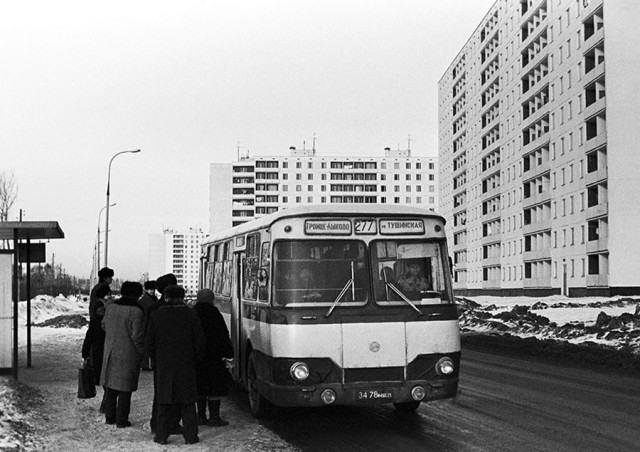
(349, 283)
(402, 296)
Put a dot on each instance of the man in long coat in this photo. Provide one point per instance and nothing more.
(123, 350)
(174, 341)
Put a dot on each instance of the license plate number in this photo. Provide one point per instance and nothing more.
(374, 394)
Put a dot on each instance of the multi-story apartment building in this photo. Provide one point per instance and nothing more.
(538, 147)
(178, 253)
(253, 187)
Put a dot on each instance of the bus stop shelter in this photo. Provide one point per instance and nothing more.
(20, 234)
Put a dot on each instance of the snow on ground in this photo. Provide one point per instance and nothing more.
(607, 321)
(612, 322)
(45, 307)
(563, 309)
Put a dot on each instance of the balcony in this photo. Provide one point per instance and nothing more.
(492, 261)
(598, 245)
(598, 210)
(535, 116)
(593, 74)
(537, 198)
(491, 239)
(538, 170)
(542, 28)
(596, 142)
(592, 40)
(537, 255)
(460, 266)
(595, 107)
(597, 280)
(536, 226)
(491, 192)
(596, 176)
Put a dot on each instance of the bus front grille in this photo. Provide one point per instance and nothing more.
(374, 374)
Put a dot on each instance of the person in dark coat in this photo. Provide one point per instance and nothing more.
(123, 350)
(93, 344)
(105, 278)
(175, 342)
(147, 301)
(211, 372)
(162, 282)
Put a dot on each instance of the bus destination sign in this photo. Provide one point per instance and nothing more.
(331, 227)
(401, 227)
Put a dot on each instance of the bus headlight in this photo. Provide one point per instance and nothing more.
(299, 371)
(445, 366)
(418, 393)
(328, 396)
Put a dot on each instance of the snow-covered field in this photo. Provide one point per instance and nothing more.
(609, 322)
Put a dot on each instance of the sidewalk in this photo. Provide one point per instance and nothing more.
(62, 422)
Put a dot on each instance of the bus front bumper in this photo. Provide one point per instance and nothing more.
(357, 394)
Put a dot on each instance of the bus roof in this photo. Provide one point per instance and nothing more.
(325, 210)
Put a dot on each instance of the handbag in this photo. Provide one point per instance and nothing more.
(86, 385)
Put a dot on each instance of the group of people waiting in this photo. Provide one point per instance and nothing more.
(184, 347)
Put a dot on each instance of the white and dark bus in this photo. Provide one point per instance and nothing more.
(338, 305)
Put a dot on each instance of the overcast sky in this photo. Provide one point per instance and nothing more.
(186, 81)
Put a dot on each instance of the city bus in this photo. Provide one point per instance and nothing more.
(337, 305)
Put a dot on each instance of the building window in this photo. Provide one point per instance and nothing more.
(298, 165)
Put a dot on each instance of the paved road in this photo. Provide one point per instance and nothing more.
(503, 404)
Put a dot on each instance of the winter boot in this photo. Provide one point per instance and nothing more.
(214, 414)
(202, 412)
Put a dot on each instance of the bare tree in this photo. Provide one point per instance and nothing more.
(8, 194)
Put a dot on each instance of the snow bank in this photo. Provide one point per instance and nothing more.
(45, 307)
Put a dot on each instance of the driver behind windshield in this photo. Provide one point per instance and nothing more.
(413, 279)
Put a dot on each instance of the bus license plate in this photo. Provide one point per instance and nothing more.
(372, 395)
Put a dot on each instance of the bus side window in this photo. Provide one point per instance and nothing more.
(263, 275)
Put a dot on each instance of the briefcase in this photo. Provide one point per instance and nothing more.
(86, 385)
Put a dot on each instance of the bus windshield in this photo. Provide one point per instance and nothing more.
(319, 271)
(408, 270)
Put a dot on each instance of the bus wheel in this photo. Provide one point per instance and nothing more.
(407, 407)
(259, 405)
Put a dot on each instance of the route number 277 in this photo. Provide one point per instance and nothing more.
(365, 227)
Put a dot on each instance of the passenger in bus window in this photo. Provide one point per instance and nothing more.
(413, 279)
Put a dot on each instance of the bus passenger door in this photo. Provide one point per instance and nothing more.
(239, 338)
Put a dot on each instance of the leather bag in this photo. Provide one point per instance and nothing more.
(86, 385)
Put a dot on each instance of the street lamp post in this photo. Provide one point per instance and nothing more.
(100, 221)
(106, 226)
